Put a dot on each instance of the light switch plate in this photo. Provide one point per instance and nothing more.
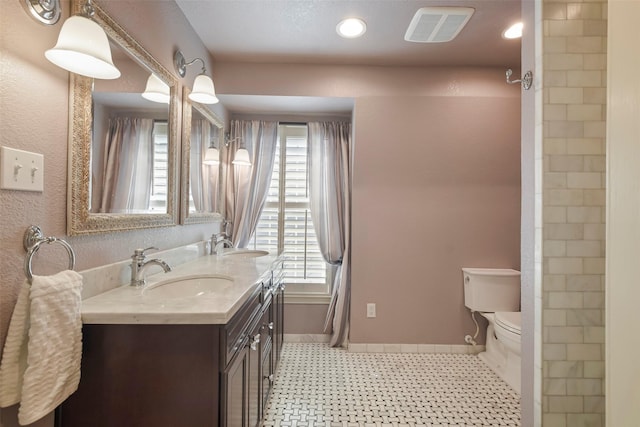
(21, 170)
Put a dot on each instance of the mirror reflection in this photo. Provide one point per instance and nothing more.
(129, 150)
(203, 135)
(123, 142)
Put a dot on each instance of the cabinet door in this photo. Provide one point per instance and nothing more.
(234, 383)
(267, 375)
(254, 376)
(278, 323)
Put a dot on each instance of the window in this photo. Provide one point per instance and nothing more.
(158, 202)
(285, 223)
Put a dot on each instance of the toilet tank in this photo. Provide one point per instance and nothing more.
(491, 289)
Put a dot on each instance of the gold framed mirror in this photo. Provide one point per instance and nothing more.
(146, 197)
(202, 141)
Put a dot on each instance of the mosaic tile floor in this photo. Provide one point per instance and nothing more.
(321, 386)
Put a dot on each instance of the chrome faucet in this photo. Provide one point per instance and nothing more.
(218, 241)
(139, 266)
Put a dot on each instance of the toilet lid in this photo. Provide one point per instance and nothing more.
(510, 321)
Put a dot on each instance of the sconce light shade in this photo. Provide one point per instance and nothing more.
(242, 158)
(83, 48)
(211, 156)
(203, 90)
(156, 90)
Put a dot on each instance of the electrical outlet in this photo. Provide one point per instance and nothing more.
(21, 170)
(371, 310)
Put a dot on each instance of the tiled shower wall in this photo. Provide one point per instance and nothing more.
(574, 61)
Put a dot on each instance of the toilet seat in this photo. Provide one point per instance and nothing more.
(509, 321)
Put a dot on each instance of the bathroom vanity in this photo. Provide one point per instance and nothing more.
(150, 362)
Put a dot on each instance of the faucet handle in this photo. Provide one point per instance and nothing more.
(141, 252)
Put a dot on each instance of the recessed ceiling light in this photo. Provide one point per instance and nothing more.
(513, 32)
(351, 28)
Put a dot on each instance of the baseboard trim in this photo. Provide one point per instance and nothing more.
(311, 338)
(415, 348)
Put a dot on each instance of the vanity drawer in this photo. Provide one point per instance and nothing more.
(235, 332)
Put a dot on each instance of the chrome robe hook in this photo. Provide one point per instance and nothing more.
(527, 79)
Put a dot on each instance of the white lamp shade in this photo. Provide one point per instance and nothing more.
(156, 90)
(211, 156)
(83, 48)
(203, 90)
(242, 158)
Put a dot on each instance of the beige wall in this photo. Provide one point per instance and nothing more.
(34, 117)
(573, 218)
(436, 187)
(623, 215)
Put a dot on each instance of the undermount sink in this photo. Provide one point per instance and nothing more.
(244, 253)
(192, 286)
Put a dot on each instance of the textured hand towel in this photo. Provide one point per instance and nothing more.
(54, 346)
(14, 356)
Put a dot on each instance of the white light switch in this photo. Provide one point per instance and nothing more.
(21, 170)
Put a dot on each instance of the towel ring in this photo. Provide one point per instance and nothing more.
(33, 238)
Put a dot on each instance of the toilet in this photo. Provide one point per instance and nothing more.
(495, 294)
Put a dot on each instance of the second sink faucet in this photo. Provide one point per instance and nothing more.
(139, 266)
(218, 241)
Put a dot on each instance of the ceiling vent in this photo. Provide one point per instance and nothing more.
(437, 24)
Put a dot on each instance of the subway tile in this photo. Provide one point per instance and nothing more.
(584, 420)
(566, 95)
(594, 61)
(595, 265)
(565, 334)
(583, 317)
(584, 386)
(594, 334)
(593, 299)
(584, 214)
(554, 386)
(555, 180)
(563, 231)
(568, 163)
(595, 163)
(594, 95)
(555, 145)
(595, 129)
(584, 352)
(584, 78)
(586, 282)
(552, 10)
(564, 300)
(555, 248)
(552, 352)
(554, 282)
(594, 231)
(583, 11)
(562, 61)
(567, 404)
(565, 265)
(595, 197)
(594, 404)
(584, 248)
(555, 214)
(564, 129)
(586, 146)
(584, 112)
(554, 78)
(555, 112)
(551, 317)
(559, 197)
(587, 180)
(594, 369)
(594, 27)
(565, 369)
(585, 44)
(565, 28)
(554, 420)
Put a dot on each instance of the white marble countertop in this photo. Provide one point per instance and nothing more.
(131, 305)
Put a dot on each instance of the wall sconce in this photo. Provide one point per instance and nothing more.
(212, 155)
(46, 11)
(241, 157)
(156, 90)
(83, 47)
(203, 89)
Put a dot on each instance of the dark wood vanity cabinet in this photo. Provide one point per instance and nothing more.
(180, 375)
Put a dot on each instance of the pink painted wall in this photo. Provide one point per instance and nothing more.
(34, 117)
(436, 187)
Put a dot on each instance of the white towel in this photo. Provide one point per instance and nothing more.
(14, 356)
(54, 345)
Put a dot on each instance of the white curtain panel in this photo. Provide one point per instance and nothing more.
(128, 168)
(249, 185)
(329, 183)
